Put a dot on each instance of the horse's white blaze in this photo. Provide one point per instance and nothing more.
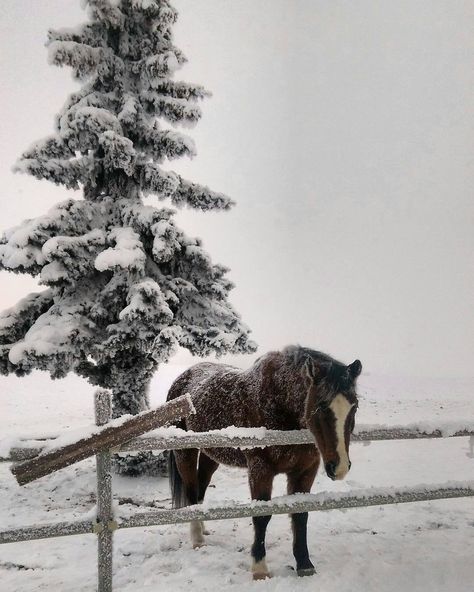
(340, 406)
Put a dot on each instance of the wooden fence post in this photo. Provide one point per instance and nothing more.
(105, 524)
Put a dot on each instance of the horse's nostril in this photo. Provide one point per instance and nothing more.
(331, 469)
(350, 465)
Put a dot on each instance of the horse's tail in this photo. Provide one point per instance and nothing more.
(181, 460)
(176, 459)
(178, 495)
(179, 498)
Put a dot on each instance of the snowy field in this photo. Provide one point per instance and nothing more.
(413, 547)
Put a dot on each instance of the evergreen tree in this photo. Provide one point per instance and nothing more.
(124, 285)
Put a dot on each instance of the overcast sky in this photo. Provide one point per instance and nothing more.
(344, 131)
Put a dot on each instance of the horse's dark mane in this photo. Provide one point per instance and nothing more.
(298, 355)
(336, 377)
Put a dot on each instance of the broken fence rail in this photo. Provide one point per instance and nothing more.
(104, 437)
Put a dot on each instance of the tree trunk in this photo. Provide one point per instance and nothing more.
(130, 396)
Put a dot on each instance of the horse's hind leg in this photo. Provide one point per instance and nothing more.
(206, 469)
(301, 482)
(261, 482)
(185, 487)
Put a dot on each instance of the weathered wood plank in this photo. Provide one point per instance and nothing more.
(293, 504)
(375, 433)
(103, 411)
(46, 531)
(289, 504)
(271, 438)
(107, 437)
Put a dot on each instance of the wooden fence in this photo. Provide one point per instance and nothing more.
(43, 457)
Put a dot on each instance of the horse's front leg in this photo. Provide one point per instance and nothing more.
(261, 477)
(301, 483)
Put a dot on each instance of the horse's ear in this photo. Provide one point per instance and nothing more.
(355, 369)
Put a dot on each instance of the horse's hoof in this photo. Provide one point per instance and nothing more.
(309, 571)
(260, 576)
(199, 545)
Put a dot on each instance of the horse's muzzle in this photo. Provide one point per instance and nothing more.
(331, 470)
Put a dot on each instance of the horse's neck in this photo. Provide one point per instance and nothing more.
(288, 394)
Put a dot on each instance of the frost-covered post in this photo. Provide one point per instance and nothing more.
(103, 409)
(124, 285)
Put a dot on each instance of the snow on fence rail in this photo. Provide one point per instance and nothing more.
(48, 459)
(176, 439)
(286, 504)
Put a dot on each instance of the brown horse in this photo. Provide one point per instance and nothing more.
(296, 388)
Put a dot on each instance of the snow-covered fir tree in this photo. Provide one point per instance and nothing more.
(124, 285)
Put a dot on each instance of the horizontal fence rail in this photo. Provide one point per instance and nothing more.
(272, 438)
(220, 439)
(46, 531)
(288, 504)
(296, 503)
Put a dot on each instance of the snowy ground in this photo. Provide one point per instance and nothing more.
(412, 547)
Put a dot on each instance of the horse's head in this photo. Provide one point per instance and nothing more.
(331, 405)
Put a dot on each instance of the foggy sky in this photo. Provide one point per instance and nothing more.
(343, 130)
